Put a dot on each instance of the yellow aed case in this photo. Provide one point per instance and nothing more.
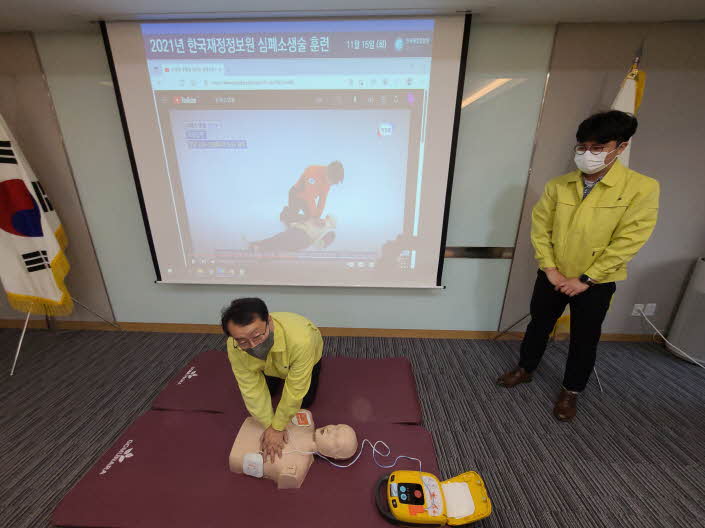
(418, 498)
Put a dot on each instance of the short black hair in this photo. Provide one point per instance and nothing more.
(607, 126)
(243, 312)
(335, 172)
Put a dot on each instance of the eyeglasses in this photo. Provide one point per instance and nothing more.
(595, 149)
(253, 340)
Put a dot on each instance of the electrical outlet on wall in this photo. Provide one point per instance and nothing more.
(635, 310)
(650, 309)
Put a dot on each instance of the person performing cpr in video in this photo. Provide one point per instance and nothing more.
(307, 197)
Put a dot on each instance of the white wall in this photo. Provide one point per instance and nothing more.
(494, 148)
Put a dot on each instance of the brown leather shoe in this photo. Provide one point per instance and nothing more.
(566, 406)
(514, 377)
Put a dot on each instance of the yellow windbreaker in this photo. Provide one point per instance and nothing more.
(599, 235)
(298, 346)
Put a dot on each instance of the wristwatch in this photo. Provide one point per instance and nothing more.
(586, 280)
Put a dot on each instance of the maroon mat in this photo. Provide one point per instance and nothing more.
(361, 390)
(367, 390)
(207, 383)
(170, 469)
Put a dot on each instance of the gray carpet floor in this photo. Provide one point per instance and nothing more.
(634, 457)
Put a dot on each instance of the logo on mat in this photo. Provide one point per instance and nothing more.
(125, 452)
(191, 373)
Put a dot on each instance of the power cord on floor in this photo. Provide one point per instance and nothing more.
(667, 341)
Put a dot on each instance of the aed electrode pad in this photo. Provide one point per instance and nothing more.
(253, 465)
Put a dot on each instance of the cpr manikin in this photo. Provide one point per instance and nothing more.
(289, 470)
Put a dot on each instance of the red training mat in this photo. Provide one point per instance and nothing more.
(360, 390)
(170, 469)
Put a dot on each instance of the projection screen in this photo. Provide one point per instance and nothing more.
(291, 152)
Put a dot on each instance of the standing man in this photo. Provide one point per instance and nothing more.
(265, 349)
(585, 228)
(307, 197)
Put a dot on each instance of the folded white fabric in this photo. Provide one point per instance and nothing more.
(459, 502)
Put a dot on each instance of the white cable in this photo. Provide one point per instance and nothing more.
(375, 451)
(667, 341)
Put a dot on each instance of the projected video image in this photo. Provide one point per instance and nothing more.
(303, 152)
(275, 181)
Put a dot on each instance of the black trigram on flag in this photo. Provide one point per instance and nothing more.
(36, 261)
(42, 197)
(6, 154)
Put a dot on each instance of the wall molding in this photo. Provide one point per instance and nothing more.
(182, 328)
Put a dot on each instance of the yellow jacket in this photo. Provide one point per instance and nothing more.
(599, 235)
(298, 346)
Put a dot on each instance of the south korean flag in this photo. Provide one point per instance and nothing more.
(32, 240)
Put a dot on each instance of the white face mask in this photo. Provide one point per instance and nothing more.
(590, 163)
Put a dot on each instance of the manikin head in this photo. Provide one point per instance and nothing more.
(336, 441)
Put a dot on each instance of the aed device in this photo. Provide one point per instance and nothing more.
(409, 498)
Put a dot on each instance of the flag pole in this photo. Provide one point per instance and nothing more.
(97, 314)
(638, 55)
(19, 345)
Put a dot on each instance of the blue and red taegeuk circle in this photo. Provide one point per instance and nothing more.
(19, 212)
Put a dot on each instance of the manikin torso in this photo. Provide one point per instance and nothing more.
(289, 470)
